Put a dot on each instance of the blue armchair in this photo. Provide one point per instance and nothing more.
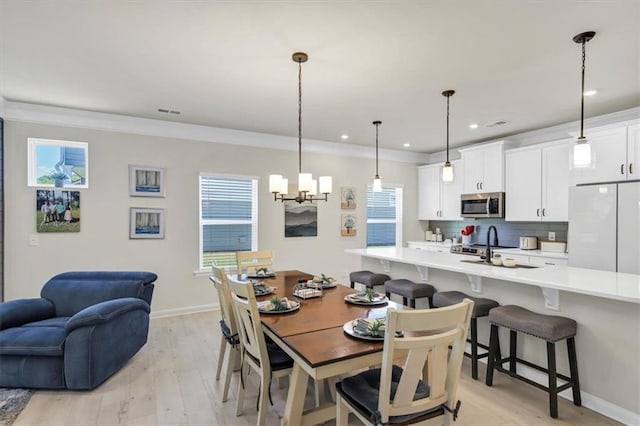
(83, 328)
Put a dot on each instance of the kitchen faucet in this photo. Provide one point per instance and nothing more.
(487, 254)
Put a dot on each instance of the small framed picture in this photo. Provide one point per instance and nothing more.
(348, 197)
(146, 223)
(146, 181)
(348, 228)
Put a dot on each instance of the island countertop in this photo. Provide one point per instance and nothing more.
(610, 285)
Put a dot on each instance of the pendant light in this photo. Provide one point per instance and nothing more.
(377, 182)
(447, 169)
(582, 148)
(307, 186)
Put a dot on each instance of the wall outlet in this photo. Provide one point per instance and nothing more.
(552, 236)
(34, 240)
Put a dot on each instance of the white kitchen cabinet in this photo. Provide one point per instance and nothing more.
(547, 261)
(483, 168)
(537, 183)
(615, 156)
(438, 200)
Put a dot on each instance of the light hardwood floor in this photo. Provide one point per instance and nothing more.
(172, 381)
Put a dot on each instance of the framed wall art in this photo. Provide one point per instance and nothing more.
(348, 225)
(57, 211)
(146, 223)
(300, 220)
(348, 197)
(146, 181)
(60, 164)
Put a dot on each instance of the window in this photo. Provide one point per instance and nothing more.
(228, 218)
(384, 217)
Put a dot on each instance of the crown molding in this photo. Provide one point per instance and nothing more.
(68, 117)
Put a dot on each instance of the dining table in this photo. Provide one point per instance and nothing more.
(314, 337)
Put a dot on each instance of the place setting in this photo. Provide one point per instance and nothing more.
(368, 298)
(372, 329)
(260, 288)
(278, 305)
(262, 273)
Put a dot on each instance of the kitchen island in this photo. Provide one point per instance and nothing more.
(606, 306)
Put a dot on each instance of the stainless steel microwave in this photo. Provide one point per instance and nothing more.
(489, 204)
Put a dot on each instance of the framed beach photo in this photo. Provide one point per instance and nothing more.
(146, 223)
(146, 181)
(57, 164)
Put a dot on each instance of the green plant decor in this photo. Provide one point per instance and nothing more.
(376, 328)
(370, 294)
(277, 304)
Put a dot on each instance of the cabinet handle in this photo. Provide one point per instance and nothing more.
(543, 212)
(630, 168)
(481, 185)
(538, 212)
(622, 168)
(477, 185)
(549, 263)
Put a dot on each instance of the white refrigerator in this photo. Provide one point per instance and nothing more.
(604, 227)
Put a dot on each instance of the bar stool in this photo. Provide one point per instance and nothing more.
(548, 327)
(367, 278)
(409, 290)
(481, 308)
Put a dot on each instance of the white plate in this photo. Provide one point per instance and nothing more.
(296, 306)
(267, 290)
(348, 328)
(380, 299)
(327, 285)
(267, 275)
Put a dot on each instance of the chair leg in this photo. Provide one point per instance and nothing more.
(342, 412)
(412, 303)
(240, 398)
(319, 391)
(231, 365)
(386, 293)
(353, 284)
(331, 384)
(474, 348)
(553, 380)
(513, 346)
(263, 398)
(430, 302)
(223, 348)
(492, 358)
(404, 301)
(573, 368)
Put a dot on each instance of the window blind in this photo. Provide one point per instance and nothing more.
(381, 217)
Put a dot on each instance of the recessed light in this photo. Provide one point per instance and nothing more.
(344, 136)
(406, 144)
(590, 92)
(473, 126)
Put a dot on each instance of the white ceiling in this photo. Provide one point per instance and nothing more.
(228, 63)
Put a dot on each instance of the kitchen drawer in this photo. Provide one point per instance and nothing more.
(519, 258)
(547, 261)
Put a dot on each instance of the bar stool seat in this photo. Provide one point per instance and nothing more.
(409, 290)
(368, 278)
(551, 328)
(481, 308)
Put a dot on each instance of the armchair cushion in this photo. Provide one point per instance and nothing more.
(22, 311)
(49, 322)
(37, 341)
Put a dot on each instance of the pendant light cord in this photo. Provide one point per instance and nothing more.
(299, 117)
(377, 124)
(584, 57)
(448, 96)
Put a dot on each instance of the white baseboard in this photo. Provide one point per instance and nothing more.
(592, 402)
(184, 311)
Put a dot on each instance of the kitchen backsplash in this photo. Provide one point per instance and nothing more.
(509, 233)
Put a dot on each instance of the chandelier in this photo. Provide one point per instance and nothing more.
(377, 182)
(447, 169)
(307, 185)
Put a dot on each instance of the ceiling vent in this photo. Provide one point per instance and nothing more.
(168, 111)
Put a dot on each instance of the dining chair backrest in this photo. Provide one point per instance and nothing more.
(219, 280)
(427, 356)
(249, 325)
(250, 261)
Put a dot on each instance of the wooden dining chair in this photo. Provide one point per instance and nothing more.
(228, 329)
(250, 261)
(393, 394)
(268, 360)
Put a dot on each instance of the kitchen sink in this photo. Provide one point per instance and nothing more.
(482, 262)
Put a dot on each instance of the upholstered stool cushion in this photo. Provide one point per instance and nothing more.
(368, 278)
(409, 289)
(549, 327)
(481, 306)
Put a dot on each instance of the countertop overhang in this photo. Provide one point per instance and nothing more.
(551, 279)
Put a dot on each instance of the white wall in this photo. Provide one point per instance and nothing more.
(103, 242)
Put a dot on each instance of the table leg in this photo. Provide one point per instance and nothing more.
(295, 397)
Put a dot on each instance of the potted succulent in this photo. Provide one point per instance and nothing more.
(58, 179)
